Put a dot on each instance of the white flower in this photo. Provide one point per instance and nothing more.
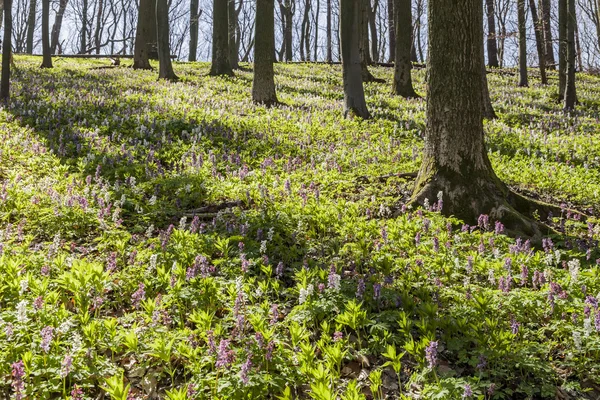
(153, 261)
(24, 286)
(574, 269)
(335, 282)
(426, 203)
(65, 327)
(76, 343)
(149, 231)
(577, 339)
(557, 256)
(270, 234)
(182, 223)
(152, 200)
(491, 277)
(587, 327)
(302, 297)
(263, 247)
(440, 195)
(22, 311)
(549, 259)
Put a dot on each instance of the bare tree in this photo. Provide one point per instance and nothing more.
(523, 81)
(47, 57)
(56, 28)
(220, 46)
(539, 41)
(164, 48)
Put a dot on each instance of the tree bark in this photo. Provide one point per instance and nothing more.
(316, 47)
(47, 56)
(455, 164)
(562, 48)
(57, 25)
(220, 46)
(165, 68)
(402, 66)
(354, 95)
(329, 40)
(263, 86)
(391, 31)
(523, 81)
(288, 36)
(84, 26)
(6, 54)
(372, 12)
(492, 45)
(570, 96)
(232, 23)
(31, 26)
(486, 102)
(193, 53)
(363, 41)
(98, 32)
(539, 41)
(145, 36)
(549, 46)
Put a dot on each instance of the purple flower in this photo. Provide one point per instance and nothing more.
(514, 326)
(484, 222)
(270, 348)
(245, 369)
(499, 228)
(337, 336)
(376, 291)
(76, 393)
(138, 295)
(166, 237)
(274, 314)
(470, 264)
(38, 303)
(18, 372)
(225, 357)
(111, 262)
(431, 354)
(195, 224)
(468, 391)
(547, 245)
(47, 334)
(597, 321)
(492, 389)
(436, 244)
(279, 270)
(524, 274)
(212, 348)
(482, 363)
(66, 365)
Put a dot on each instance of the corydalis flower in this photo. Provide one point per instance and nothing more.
(76, 393)
(66, 365)
(246, 369)
(334, 280)
(138, 295)
(431, 354)
(47, 335)
(468, 392)
(18, 372)
(225, 357)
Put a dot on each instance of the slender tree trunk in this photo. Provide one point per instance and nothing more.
(363, 42)
(402, 66)
(165, 68)
(455, 164)
(391, 30)
(317, 10)
(288, 33)
(329, 40)
(578, 48)
(562, 48)
(84, 23)
(220, 45)
(98, 32)
(549, 46)
(486, 102)
(570, 90)
(492, 45)
(31, 26)
(232, 24)
(193, 53)
(145, 36)
(523, 81)
(6, 53)
(263, 87)
(372, 12)
(57, 25)
(539, 41)
(354, 95)
(47, 56)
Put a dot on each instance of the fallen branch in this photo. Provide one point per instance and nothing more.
(384, 178)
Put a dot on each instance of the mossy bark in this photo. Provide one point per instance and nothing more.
(46, 55)
(404, 42)
(263, 86)
(165, 70)
(220, 45)
(455, 160)
(354, 95)
(145, 35)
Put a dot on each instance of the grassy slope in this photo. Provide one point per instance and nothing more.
(96, 164)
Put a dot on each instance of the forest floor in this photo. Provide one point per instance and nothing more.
(173, 240)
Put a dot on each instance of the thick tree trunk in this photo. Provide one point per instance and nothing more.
(288, 33)
(329, 40)
(193, 53)
(354, 95)
(402, 66)
(145, 36)
(562, 48)
(523, 81)
(492, 45)
(263, 86)
(570, 90)
(232, 23)
(220, 46)
(57, 25)
(546, 21)
(455, 164)
(47, 56)
(391, 31)
(539, 41)
(6, 53)
(31, 26)
(165, 68)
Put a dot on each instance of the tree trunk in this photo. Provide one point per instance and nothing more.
(232, 22)
(193, 53)
(316, 48)
(329, 40)
(455, 164)
(47, 56)
(57, 26)
(363, 41)
(6, 54)
(220, 46)
(354, 95)
(372, 12)
(562, 48)
(31, 26)
(492, 45)
(486, 102)
(84, 26)
(549, 46)
(570, 90)
(165, 67)
(145, 36)
(402, 66)
(523, 81)
(263, 86)
(288, 36)
(392, 30)
(98, 32)
(539, 41)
